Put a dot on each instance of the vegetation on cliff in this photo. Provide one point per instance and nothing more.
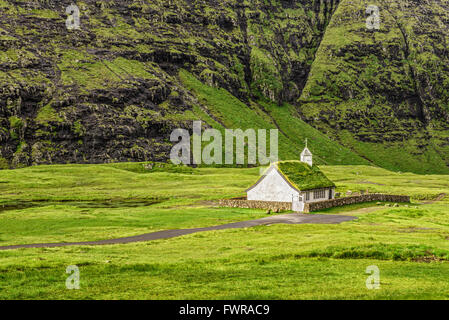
(385, 93)
(114, 89)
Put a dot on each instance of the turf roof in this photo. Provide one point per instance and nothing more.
(302, 176)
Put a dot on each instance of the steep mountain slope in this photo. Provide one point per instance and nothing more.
(385, 93)
(110, 91)
(114, 89)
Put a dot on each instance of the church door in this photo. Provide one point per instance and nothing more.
(297, 204)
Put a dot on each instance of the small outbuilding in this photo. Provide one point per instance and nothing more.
(298, 182)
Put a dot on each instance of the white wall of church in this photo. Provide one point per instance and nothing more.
(272, 188)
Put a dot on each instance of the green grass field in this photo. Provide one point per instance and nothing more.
(64, 203)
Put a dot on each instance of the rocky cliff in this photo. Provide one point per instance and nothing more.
(385, 92)
(114, 89)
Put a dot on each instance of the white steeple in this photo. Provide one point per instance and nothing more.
(306, 156)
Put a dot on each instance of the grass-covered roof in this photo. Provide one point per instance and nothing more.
(302, 176)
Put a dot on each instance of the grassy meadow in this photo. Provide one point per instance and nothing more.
(65, 203)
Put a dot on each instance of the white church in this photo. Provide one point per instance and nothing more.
(294, 181)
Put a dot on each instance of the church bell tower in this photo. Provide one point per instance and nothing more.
(306, 156)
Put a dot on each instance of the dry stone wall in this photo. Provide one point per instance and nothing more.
(311, 207)
(251, 204)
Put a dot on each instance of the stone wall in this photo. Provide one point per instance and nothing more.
(311, 207)
(252, 204)
(315, 206)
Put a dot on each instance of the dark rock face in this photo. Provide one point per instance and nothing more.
(110, 91)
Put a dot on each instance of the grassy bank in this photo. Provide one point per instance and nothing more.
(75, 203)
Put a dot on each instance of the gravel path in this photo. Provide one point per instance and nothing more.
(166, 234)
